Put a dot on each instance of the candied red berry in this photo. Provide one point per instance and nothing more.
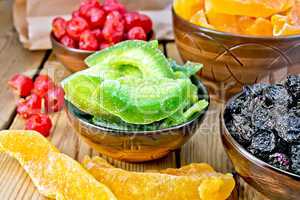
(29, 106)
(40, 123)
(68, 41)
(96, 17)
(42, 84)
(88, 41)
(76, 26)
(75, 13)
(146, 23)
(86, 5)
(113, 5)
(132, 19)
(113, 30)
(98, 34)
(136, 33)
(54, 99)
(105, 45)
(21, 84)
(59, 27)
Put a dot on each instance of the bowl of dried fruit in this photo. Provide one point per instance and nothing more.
(133, 103)
(240, 43)
(261, 134)
(93, 27)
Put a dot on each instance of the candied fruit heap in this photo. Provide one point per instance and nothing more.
(265, 119)
(249, 17)
(55, 175)
(194, 181)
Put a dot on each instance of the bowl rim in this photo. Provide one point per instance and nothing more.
(241, 150)
(201, 116)
(228, 34)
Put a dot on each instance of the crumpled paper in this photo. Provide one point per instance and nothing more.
(32, 18)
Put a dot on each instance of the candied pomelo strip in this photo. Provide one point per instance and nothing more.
(54, 174)
(258, 26)
(251, 8)
(187, 8)
(195, 181)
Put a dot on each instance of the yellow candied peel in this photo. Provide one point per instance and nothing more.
(55, 175)
(195, 181)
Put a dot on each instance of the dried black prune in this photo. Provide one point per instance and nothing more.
(295, 158)
(263, 143)
(241, 129)
(255, 90)
(288, 127)
(293, 86)
(261, 118)
(277, 94)
(280, 161)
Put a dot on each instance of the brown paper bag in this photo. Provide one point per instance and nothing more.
(32, 18)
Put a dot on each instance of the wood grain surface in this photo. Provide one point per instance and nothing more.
(205, 146)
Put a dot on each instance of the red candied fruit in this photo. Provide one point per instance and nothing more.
(96, 17)
(59, 27)
(146, 23)
(75, 13)
(68, 41)
(21, 84)
(54, 99)
(42, 84)
(98, 34)
(113, 30)
(137, 33)
(132, 19)
(88, 41)
(76, 26)
(86, 5)
(29, 106)
(40, 123)
(114, 5)
(105, 45)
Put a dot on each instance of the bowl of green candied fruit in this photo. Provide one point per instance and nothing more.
(133, 103)
(261, 134)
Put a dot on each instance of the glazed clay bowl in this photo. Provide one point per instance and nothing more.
(71, 58)
(135, 146)
(272, 182)
(231, 60)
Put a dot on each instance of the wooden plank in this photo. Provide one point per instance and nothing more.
(15, 184)
(206, 145)
(13, 59)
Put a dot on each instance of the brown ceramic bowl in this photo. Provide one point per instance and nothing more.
(71, 58)
(135, 146)
(232, 60)
(272, 182)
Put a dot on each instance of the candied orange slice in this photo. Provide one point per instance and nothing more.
(54, 174)
(187, 8)
(282, 26)
(196, 181)
(259, 26)
(251, 8)
(200, 19)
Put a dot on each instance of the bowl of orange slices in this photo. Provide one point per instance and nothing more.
(240, 42)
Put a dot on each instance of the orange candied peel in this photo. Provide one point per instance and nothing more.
(186, 9)
(55, 175)
(195, 181)
(199, 19)
(251, 8)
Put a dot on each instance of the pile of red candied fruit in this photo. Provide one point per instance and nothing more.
(37, 96)
(95, 26)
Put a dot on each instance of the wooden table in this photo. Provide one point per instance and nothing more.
(205, 146)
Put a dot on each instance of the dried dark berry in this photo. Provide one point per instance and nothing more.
(241, 129)
(295, 158)
(255, 90)
(263, 143)
(280, 161)
(276, 94)
(293, 85)
(288, 127)
(261, 118)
